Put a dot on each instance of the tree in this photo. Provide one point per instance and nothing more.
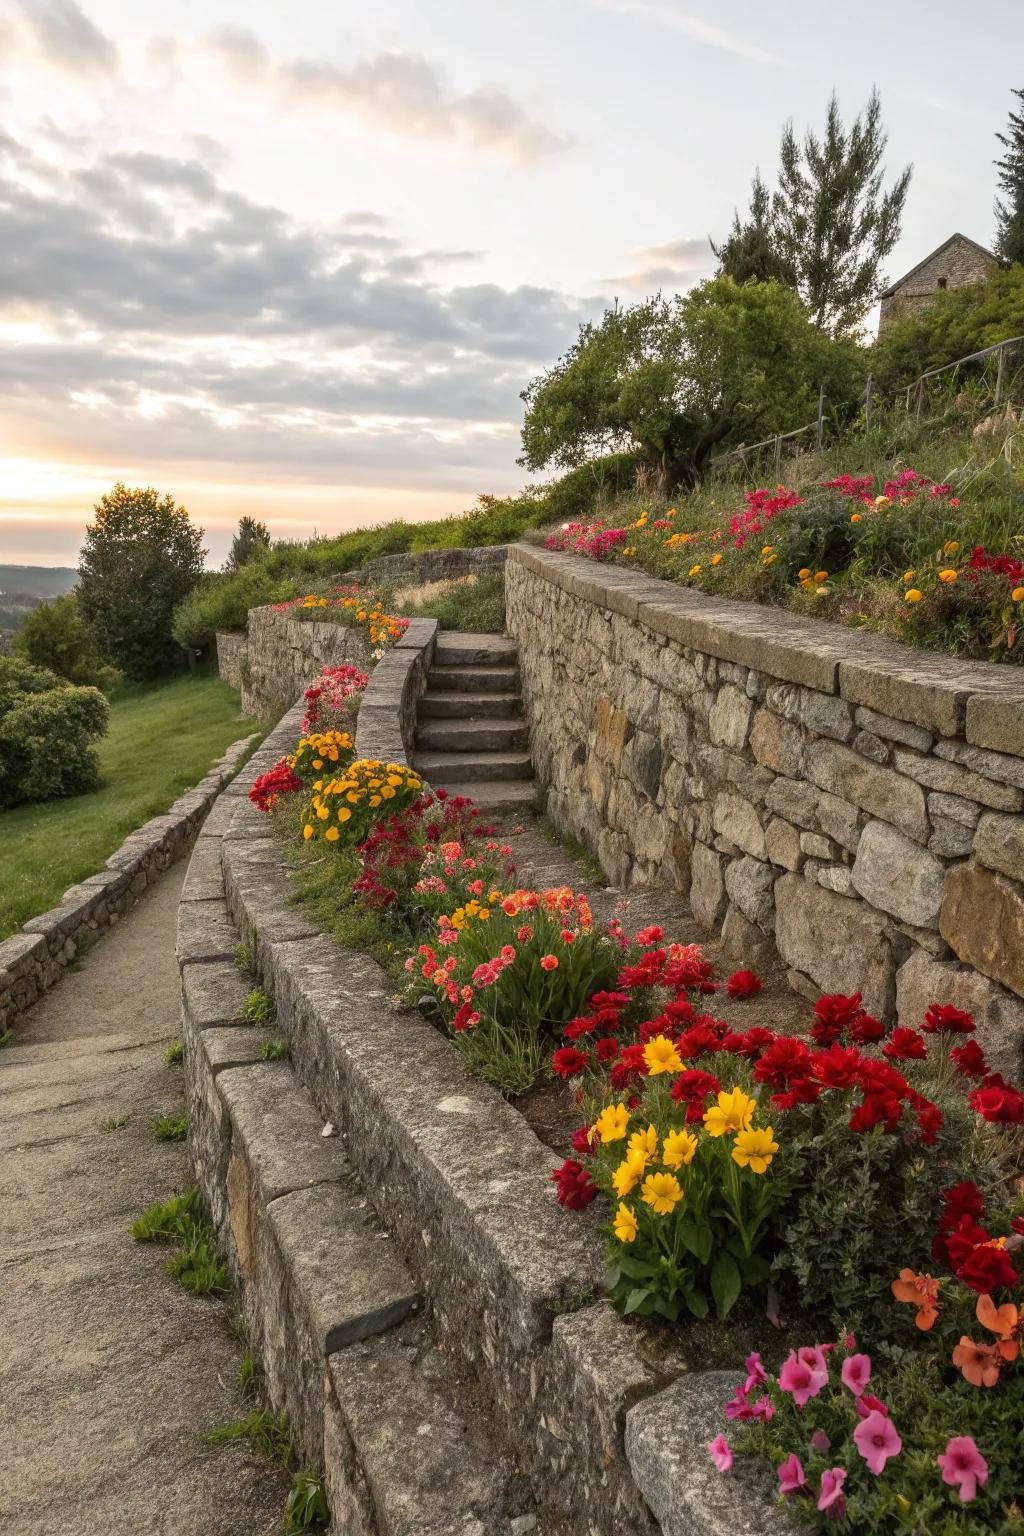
(751, 249)
(55, 635)
(1010, 213)
(671, 379)
(251, 540)
(141, 556)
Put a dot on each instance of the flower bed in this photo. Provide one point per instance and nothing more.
(818, 1180)
(354, 606)
(900, 555)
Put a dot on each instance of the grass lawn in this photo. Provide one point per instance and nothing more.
(162, 739)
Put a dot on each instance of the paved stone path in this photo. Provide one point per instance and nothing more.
(109, 1372)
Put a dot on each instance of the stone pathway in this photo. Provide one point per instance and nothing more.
(110, 1373)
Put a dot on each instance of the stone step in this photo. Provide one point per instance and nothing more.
(442, 769)
(473, 679)
(425, 1467)
(467, 706)
(456, 649)
(491, 735)
(494, 795)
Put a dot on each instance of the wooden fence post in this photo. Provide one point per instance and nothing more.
(869, 400)
(999, 374)
(821, 415)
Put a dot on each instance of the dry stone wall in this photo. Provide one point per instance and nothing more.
(284, 655)
(847, 804)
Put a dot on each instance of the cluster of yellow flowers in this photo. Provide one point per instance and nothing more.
(365, 609)
(813, 581)
(652, 1162)
(474, 911)
(311, 600)
(321, 751)
(353, 800)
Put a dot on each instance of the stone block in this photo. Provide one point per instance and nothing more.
(966, 812)
(839, 942)
(836, 877)
(237, 1046)
(879, 791)
(782, 843)
(744, 943)
(839, 820)
(279, 1130)
(825, 715)
(205, 932)
(996, 722)
(999, 844)
(998, 1017)
(982, 921)
(204, 879)
(736, 819)
(952, 779)
(950, 839)
(907, 684)
(894, 730)
(707, 887)
(992, 765)
(748, 883)
(898, 876)
(795, 800)
(730, 717)
(816, 846)
(872, 746)
(612, 731)
(776, 743)
(667, 1438)
(213, 994)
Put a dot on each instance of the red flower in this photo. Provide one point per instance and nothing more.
(969, 1059)
(575, 1187)
(606, 1049)
(581, 1139)
(880, 1108)
(614, 1000)
(693, 1089)
(629, 1068)
(905, 1045)
(865, 1029)
(997, 1101)
(987, 1268)
(963, 1199)
(955, 1245)
(837, 1067)
(834, 1013)
(646, 972)
(743, 984)
(1017, 1225)
(584, 1025)
(929, 1120)
(944, 1019)
(646, 936)
(804, 1091)
(569, 1062)
(783, 1061)
(698, 1040)
(680, 1010)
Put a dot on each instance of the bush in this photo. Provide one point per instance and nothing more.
(47, 730)
(56, 636)
(222, 599)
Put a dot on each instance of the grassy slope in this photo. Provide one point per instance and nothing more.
(162, 740)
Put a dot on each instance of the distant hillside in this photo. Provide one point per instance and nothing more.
(23, 586)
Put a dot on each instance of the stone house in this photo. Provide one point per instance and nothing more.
(954, 263)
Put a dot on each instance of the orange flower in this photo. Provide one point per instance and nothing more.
(978, 1362)
(549, 962)
(922, 1292)
(1004, 1321)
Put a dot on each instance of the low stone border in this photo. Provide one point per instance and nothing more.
(34, 959)
(454, 1175)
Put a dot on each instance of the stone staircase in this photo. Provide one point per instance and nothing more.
(471, 738)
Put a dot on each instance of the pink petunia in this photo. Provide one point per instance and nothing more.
(831, 1493)
(963, 1466)
(756, 1373)
(876, 1439)
(801, 1380)
(720, 1453)
(791, 1475)
(856, 1373)
(820, 1442)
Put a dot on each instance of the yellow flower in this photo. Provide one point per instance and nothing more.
(855, 517)
(767, 549)
(908, 576)
(678, 1149)
(695, 570)
(821, 576)
(332, 834)
(821, 591)
(882, 501)
(662, 1192)
(626, 1226)
(947, 576)
(612, 1122)
(912, 595)
(628, 1174)
(644, 1143)
(769, 559)
(733, 1112)
(307, 831)
(804, 574)
(754, 1149)
(717, 559)
(661, 1055)
(1017, 595)
(950, 547)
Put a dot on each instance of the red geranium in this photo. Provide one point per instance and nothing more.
(905, 1045)
(743, 984)
(569, 1062)
(987, 1267)
(969, 1059)
(944, 1019)
(997, 1101)
(279, 780)
(833, 1015)
(574, 1185)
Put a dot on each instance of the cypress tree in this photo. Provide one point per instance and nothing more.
(1010, 207)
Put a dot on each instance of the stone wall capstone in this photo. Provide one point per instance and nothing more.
(850, 805)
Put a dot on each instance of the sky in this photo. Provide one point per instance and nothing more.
(299, 261)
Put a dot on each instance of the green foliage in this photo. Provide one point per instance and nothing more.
(243, 958)
(115, 1123)
(47, 731)
(6, 1037)
(221, 601)
(751, 250)
(169, 1127)
(181, 1220)
(306, 1508)
(252, 539)
(250, 1376)
(174, 1054)
(169, 1220)
(957, 323)
(258, 1007)
(1010, 207)
(265, 1431)
(275, 1050)
(475, 604)
(55, 635)
(669, 380)
(141, 556)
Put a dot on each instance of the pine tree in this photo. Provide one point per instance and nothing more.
(252, 539)
(750, 250)
(832, 221)
(1010, 207)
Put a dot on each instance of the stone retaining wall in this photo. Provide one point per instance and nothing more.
(33, 960)
(232, 650)
(849, 804)
(435, 565)
(600, 1414)
(284, 655)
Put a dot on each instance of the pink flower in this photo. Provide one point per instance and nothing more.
(720, 1453)
(868, 1404)
(876, 1439)
(820, 1442)
(814, 1356)
(856, 1373)
(963, 1466)
(791, 1475)
(802, 1379)
(831, 1494)
(756, 1373)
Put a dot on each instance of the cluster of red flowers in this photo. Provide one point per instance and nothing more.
(591, 539)
(999, 565)
(398, 843)
(977, 1258)
(906, 487)
(762, 506)
(279, 780)
(332, 688)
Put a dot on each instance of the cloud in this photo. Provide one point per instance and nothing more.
(667, 13)
(402, 93)
(66, 37)
(675, 264)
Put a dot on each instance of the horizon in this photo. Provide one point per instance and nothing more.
(300, 266)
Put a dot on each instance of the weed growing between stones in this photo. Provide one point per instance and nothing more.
(306, 1507)
(265, 1431)
(243, 958)
(182, 1220)
(115, 1123)
(258, 1007)
(83, 946)
(250, 1376)
(174, 1054)
(6, 1037)
(576, 850)
(169, 1127)
(275, 1050)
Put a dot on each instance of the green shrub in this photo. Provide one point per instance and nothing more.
(55, 635)
(222, 600)
(47, 731)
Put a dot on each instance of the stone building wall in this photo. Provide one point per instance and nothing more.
(850, 805)
(953, 265)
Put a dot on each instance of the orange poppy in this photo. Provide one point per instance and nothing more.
(1004, 1321)
(922, 1292)
(978, 1362)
